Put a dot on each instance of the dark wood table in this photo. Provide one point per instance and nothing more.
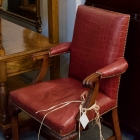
(18, 45)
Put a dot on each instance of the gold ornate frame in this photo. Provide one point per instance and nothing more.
(37, 23)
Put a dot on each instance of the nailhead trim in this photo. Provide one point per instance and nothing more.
(109, 76)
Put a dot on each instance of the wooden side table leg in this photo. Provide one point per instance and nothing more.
(4, 117)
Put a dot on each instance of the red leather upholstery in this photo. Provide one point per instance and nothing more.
(62, 48)
(47, 94)
(114, 68)
(98, 42)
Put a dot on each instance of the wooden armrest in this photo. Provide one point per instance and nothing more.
(88, 81)
(44, 57)
(92, 82)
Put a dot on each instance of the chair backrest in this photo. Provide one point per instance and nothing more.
(99, 39)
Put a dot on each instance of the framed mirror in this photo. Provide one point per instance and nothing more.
(24, 10)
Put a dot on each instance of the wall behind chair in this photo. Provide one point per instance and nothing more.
(67, 12)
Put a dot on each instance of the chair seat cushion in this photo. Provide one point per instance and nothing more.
(44, 95)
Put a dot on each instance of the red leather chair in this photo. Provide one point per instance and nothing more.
(96, 56)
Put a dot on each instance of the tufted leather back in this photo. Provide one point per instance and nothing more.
(99, 39)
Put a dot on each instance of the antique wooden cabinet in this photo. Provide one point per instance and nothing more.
(129, 92)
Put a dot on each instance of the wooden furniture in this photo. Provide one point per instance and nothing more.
(17, 45)
(24, 11)
(129, 92)
(96, 55)
(15, 58)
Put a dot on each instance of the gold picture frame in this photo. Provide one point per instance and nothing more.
(27, 8)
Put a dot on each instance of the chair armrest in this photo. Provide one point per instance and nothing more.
(56, 50)
(88, 81)
(59, 49)
(92, 81)
(116, 68)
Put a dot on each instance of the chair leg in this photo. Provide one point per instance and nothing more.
(115, 123)
(14, 123)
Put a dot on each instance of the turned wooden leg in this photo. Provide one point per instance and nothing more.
(4, 118)
(14, 123)
(116, 126)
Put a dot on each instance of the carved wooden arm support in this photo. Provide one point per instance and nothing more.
(59, 49)
(92, 82)
(43, 70)
(56, 50)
